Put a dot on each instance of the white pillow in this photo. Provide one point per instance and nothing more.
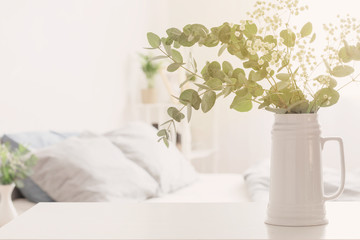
(138, 141)
(91, 170)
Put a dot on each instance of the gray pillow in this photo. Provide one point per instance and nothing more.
(138, 141)
(33, 141)
(91, 169)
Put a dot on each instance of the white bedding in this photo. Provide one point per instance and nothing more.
(208, 188)
(257, 182)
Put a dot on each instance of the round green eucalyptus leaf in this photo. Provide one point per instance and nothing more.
(173, 67)
(289, 37)
(250, 29)
(283, 76)
(163, 132)
(243, 93)
(251, 64)
(177, 44)
(343, 55)
(167, 46)
(257, 76)
(214, 83)
(208, 101)
(306, 30)
(153, 39)
(326, 97)
(226, 66)
(241, 104)
(353, 52)
(199, 30)
(255, 89)
(236, 72)
(211, 40)
(175, 114)
(213, 68)
(342, 71)
(176, 55)
(282, 85)
(270, 39)
(224, 34)
(173, 33)
(190, 96)
(220, 75)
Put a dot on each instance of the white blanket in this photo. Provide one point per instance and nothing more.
(257, 180)
(208, 188)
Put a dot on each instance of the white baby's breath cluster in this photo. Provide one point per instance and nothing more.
(274, 16)
(270, 14)
(347, 29)
(258, 45)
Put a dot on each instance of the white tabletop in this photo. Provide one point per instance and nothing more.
(172, 221)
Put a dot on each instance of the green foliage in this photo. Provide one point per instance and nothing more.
(150, 68)
(342, 71)
(208, 101)
(283, 76)
(289, 37)
(153, 40)
(174, 66)
(175, 114)
(325, 97)
(306, 30)
(313, 37)
(191, 97)
(250, 29)
(276, 69)
(15, 165)
(242, 101)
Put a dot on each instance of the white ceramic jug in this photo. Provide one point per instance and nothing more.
(296, 195)
(7, 209)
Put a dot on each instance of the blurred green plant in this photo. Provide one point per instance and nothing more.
(15, 165)
(278, 63)
(150, 69)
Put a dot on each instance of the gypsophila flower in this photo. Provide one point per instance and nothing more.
(282, 70)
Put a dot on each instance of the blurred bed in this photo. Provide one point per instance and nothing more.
(123, 165)
(208, 188)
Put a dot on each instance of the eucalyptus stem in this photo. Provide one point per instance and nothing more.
(186, 69)
(351, 81)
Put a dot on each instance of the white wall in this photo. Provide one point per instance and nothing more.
(67, 64)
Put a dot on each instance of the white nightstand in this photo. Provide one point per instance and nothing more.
(179, 221)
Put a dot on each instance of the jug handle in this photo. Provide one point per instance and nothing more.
(342, 164)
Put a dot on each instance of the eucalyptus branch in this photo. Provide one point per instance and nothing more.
(260, 51)
(186, 69)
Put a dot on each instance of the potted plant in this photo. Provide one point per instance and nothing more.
(14, 167)
(277, 71)
(150, 69)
